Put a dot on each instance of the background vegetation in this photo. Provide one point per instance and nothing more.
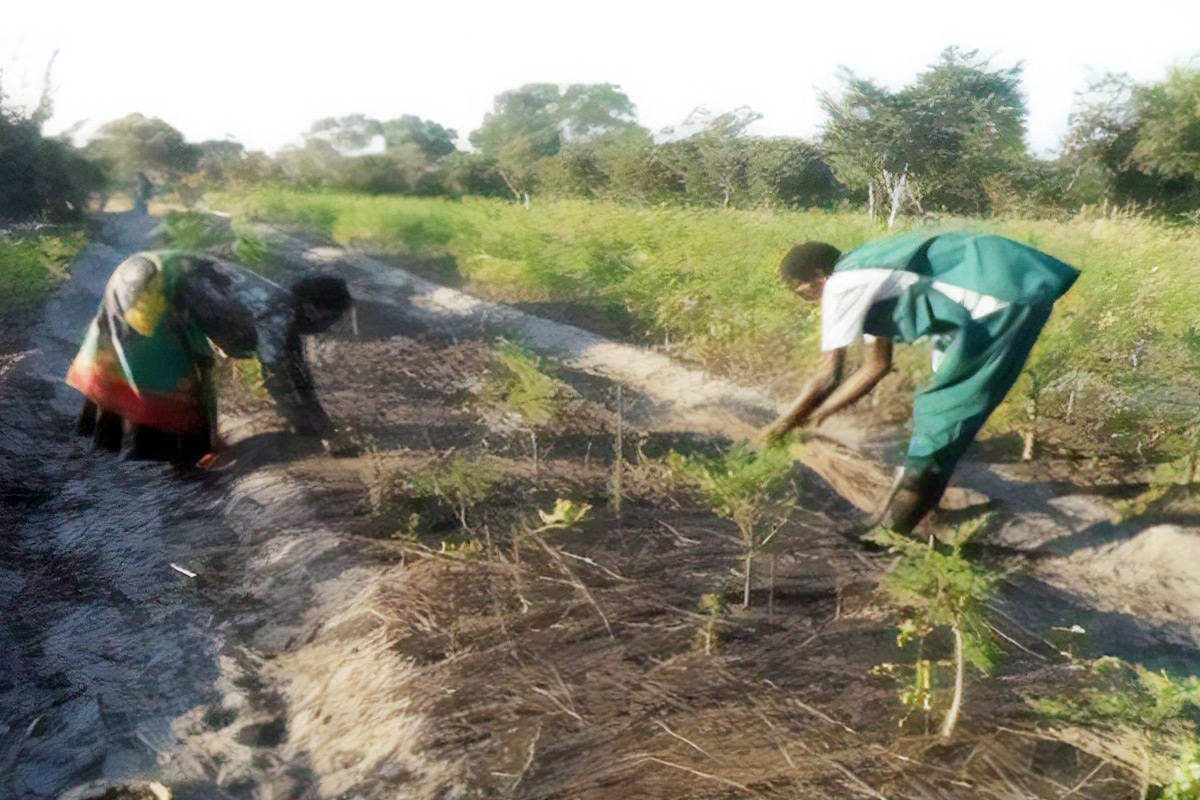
(1124, 344)
(563, 198)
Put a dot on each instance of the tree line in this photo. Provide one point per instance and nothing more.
(952, 141)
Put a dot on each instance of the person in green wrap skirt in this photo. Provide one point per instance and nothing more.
(981, 299)
(145, 366)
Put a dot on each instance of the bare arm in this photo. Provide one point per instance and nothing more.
(819, 386)
(208, 390)
(288, 381)
(877, 365)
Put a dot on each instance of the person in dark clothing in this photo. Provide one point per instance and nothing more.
(145, 367)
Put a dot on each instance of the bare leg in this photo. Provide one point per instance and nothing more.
(143, 443)
(107, 433)
(85, 424)
(192, 448)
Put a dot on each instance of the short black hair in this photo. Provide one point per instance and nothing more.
(809, 262)
(323, 291)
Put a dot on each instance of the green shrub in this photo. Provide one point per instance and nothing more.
(32, 264)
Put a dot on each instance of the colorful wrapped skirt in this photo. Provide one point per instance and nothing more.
(140, 358)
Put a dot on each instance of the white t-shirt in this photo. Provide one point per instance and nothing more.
(848, 297)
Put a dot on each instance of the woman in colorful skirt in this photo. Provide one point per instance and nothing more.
(981, 299)
(145, 367)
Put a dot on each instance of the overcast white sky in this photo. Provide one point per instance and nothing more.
(262, 72)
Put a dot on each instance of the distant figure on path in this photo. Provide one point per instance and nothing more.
(146, 363)
(143, 190)
(981, 299)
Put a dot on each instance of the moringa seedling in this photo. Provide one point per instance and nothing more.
(746, 486)
(939, 588)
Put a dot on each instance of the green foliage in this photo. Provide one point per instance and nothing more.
(1122, 342)
(936, 587)
(430, 138)
(40, 177)
(469, 549)
(187, 230)
(711, 164)
(199, 232)
(1134, 146)
(406, 155)
(1185, 782)
(516, 384)
(1126, 694)
(531, 123)
(462, 483)
(708, 638)
(32, 264)
(1169, 133)
(565, 514)
(1157, 710)
(137, 143)
(256, 252)
(743, 485)
(960, 123)
(249, 375)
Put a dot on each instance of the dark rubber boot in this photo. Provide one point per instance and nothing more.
(919, 493)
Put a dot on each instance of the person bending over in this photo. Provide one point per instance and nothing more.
(146, 363)
(981, 299)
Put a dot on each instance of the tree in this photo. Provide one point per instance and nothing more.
(316, 165)
(253, 169)
(40, 176)
(789, 173)
(592, 110)
(430, 138)
(1101, 133)
(1129, 144)
(532, 123)
(936, 141)
(472, 173)
(711, 164)
(216, 157)
(1169, 125)
(347, 135)
(137, 143)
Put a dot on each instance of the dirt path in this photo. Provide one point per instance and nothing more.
(102, 644)
(346, 636)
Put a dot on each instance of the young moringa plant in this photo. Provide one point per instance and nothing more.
(1149, 719)
(461, 484)
(378, 476)
(517, 385)
(708, 638)
(566, 514)
(749, 487)
(936, 587)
